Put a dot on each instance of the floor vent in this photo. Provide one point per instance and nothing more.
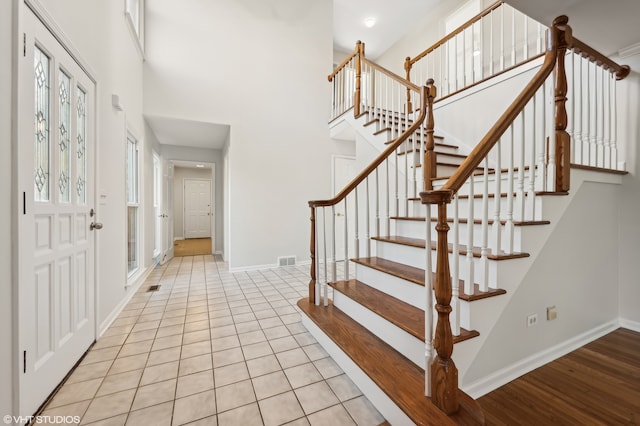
(286, 260)
(154, 287)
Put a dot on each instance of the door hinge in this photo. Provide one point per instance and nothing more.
(24, 362)
(24, 44)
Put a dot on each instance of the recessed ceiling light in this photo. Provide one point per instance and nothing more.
(200, 165)
(370, 22)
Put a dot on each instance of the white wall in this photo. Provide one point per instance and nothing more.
(576, 271)
(629, 227)
(7, 267)
(261, 67)
(179, 175)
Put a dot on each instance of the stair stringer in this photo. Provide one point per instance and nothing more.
(488, 314)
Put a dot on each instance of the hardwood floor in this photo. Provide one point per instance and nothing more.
(192, 247)
(598, 384)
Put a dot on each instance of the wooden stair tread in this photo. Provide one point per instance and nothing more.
(598, 169)
(399, 378)
(405, 316)
(416, 276)
(420, 243)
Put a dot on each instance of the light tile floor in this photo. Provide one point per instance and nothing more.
(212, 347)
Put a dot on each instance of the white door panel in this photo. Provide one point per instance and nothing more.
(56, 247)
(197, 208)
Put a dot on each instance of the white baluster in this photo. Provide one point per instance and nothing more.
(496, 230)
(541, 176)
(501, 39)
(594, 119)
(377, 202)
(577, 96)
(484, 261)
(470, 217)
(513, 36)
(508, 227)
(455, 258)
(356, 248)
(551, 151)
(606, 129)
(428, 311)
(346, 240)
(586, 105)
(324, 232)
(525, 50)
(531, 191)
(317, 254)
(367, 223)
(334, 277)
(519, 210)
(455, 272)
(491, 43)
(600, 119)
(614, 125)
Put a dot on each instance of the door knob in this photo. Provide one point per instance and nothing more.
(95, 225)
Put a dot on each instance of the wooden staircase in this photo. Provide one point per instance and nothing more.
(377, 321)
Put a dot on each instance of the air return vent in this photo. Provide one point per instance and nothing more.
(154, 287)
(286, 260)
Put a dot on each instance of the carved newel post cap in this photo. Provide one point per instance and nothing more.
(561, 20)
(429, 82)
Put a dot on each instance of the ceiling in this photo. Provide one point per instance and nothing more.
(609, 26)
(392, 21)
(198, 134)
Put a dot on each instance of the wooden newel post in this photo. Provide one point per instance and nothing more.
(444, 374)
(356, 95)
(407, 69)
(312, 247)
(430, 145)
(561, 37)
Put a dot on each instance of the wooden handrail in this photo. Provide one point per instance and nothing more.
(393, 76)
(586, 51)
(481, 150)
(455, 32)
(339, 68)
(375, 163)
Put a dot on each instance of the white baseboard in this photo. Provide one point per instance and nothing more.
(505, 375)
(631, 325)
(267, 266)
(131, 290)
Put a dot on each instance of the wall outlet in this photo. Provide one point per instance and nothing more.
(552, 313)
(532, 320)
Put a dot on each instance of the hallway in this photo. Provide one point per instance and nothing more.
(212, 347)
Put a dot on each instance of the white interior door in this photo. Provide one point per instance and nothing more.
(344, 170)
(167, 213)
(57, 242)
(197, 208)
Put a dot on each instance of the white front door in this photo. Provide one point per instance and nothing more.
(56, 149)
(197, 208)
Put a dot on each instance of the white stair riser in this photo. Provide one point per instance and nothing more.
(399, 288)
(416, 229)
(408, 345)
(478, 208)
